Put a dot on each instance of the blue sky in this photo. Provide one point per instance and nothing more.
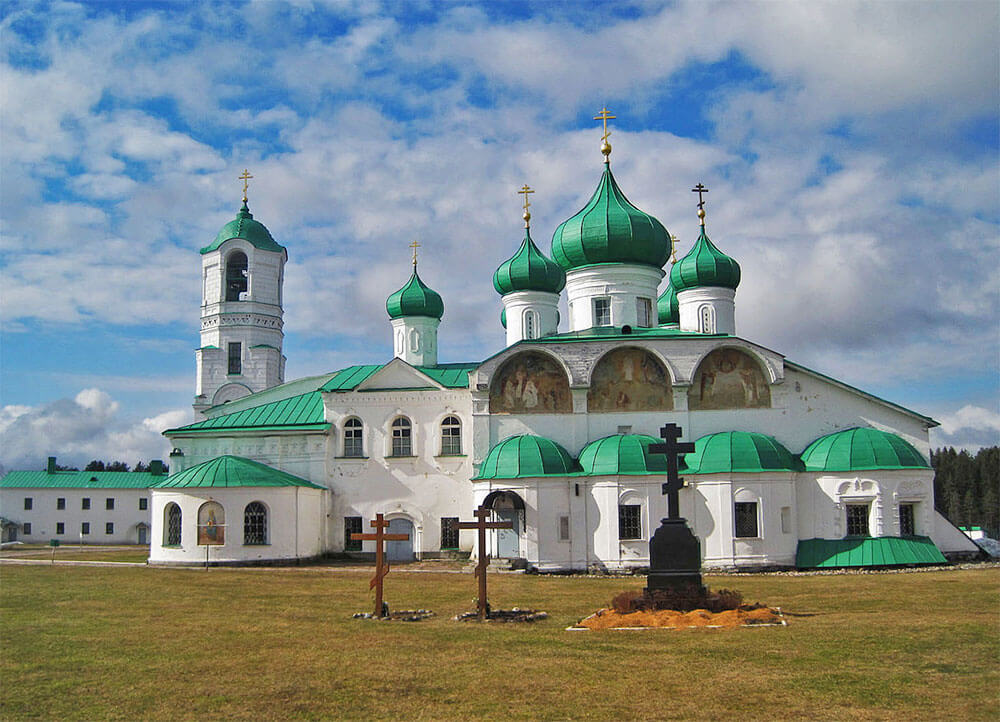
(851, 150)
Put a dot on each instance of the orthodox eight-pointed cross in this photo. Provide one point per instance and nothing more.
(671, 447)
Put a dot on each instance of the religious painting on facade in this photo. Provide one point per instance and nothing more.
(530, 383)
(729, 379)
(211, 524)
(630, 379)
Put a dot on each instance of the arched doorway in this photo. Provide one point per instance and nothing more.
(400, 551)
(507, 506)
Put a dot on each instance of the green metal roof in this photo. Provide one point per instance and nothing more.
(860, 449)
(526, 456)
(705, 265)
(245, 227)
(416, 298)
(529, 270)
(867, 552)
(301, 412)
(275, 393)
(348, 379)
(622, 454)
(739, 451)
(609, 229)
(80, 480)
(667, 306)
(232, 471)
(452, 376)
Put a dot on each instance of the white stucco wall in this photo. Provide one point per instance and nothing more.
(44, 514)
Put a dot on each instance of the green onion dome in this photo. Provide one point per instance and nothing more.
(739, 451)
(246, 228)
(415, 299)
(231, 471)
(609, 229)
(622, 454)
(528, 270)
(705, 265)
(860, 449)
(667, 306)
(527, 456)
(503, 318)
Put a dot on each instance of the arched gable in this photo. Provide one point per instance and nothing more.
(530, 382)
(730, 378)
(630, 379)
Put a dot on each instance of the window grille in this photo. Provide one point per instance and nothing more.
(857, 520)
(255, 524)
(629, 521)
(402, 444)
(451, 436)
(564, 528)
(449, 532)
(235, 359)
(602, 311)
(173, 526)
(353, 444)
(352, 525)
(746, 519)
(906, 520)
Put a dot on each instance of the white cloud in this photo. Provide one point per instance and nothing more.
(971, 427)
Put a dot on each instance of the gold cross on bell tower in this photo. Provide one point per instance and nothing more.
(605, 116)
(525, 190)
(414, 246)
(245, 177)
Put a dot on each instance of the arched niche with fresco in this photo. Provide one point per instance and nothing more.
(530, 383)
(729, 379)
(629, 379)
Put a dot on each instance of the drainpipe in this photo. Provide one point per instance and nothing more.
(296, 523)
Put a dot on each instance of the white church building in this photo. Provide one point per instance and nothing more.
(553, 433)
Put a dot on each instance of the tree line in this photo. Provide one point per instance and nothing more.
(967, 487)
(97, 465)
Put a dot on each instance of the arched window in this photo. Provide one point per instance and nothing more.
(353, 444)
(414, 340)
(255, 524)
(402, 440)
(172, 526)
(530, 324)
(451, 436)
(706, 319)
(236, 276)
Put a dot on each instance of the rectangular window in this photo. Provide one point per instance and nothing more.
(786, 520)
(85, 528)
(27, 528)
(109, 528)
(906, 525)
(449, 532)
(602, 311)
(61, 503)
(109, 503)
(746, 519)
(643, 312)
(85, 503)
(143, 504)
(235, 358)
(629, 521)
(857, 520)
(27, 503)
(564, 528)
(60, 527)
(352, 525)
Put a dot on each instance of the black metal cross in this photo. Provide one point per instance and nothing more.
(700, 189)
(671, 447)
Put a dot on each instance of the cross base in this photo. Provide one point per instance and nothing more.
(674, 556)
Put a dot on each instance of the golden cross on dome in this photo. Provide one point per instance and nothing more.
(673, 249)
(414, 246)
(525, 190)
(245, 177)
(605, 116)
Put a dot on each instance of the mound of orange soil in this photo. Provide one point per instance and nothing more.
(731, 619)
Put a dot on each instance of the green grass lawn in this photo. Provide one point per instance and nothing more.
(73, 552)
(154, 643)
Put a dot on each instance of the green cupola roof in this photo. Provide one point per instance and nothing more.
(667, 306)
(861, 449)
(622, 454)
(529, 270)
(705, 265)
(739, 451)
(526, 456)
(609, 229)
(245, 227)
(416, 298)
(231, 471)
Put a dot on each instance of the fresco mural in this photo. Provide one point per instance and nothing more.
(630, 379)
(530, 383)
(211, 524)
(729, 379)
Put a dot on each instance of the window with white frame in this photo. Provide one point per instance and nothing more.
(602, 311)
(61, 503)
(451, 436)
(907, 518)
(353, 444)
(857, 520)
(109, 528)
(629, 521)
(706, 319)
(235, 356)
(745, 519)
(402, 437)
(530, 324)
(60, 527)
(255, 524)
(172, 537)
(643, 312)
(85, 528)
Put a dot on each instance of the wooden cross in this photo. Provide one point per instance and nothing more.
(245, 177)
(700, 189)
(481, 523)
(670, 434)
(381, 564)
(605, 116)
(414, 246)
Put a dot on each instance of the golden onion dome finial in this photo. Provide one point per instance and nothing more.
(605, 116)
(525, 190)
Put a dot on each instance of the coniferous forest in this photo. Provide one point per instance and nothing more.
(967, 487)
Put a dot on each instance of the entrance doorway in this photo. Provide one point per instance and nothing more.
(400, 551)
(143, 534)
(507, 506)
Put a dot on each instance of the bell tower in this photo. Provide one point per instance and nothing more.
(241, 313)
